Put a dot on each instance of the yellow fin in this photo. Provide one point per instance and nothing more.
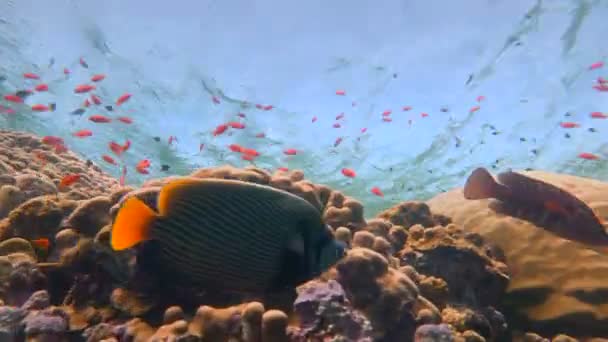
(132, 224)
(169, 190)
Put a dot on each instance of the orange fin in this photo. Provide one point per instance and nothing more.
(480, 185)
(132, 224)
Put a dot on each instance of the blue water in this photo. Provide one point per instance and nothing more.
(529, 59)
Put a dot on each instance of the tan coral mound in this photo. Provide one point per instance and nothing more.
(557, 283)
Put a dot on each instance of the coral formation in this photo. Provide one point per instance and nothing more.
(410, 274)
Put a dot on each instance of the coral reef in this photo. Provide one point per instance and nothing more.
(410, 274)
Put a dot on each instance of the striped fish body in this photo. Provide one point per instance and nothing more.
(233, 235)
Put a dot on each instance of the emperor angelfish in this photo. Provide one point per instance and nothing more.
(230, 235)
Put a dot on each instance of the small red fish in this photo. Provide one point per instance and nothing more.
(43, 108)
(215, 99)
(51, 140)
(569, 124)
(599, 115)
(116, 148)
(337, 142)
(86, 103)
(387, 119)
(84, 88)
(95, 99)
(83, 133)
(60, 148)
(100, 119)
(236, 125)
(125, 120)
(424, 115)
(259, 106)
(13, 98)
(406, 108)
(42, 243)
(336, 125)
(235, 148)
(260, 135)
(314, 118)
(108, 159)
(350, 173)
(364, 129)
(31, 76)
(220, 130)
(69, 180)
(480, 98)
(340, 116)
(66, 71)
(601, 87)
(126, 146)
(247, 157)
(83, 63)
(596, 65)
(123, 176)
(172, 138)
(340, 92)
(282, 169)
(123, 98)
(241, 115)
(588, 156)
(42, 87)
(376, 191)
(601, 80)
(474, 109)
(387, 112)
(98, 78)
(268, 107)
(290, 152)
(142, 170)
(250, 152)
(143, 164)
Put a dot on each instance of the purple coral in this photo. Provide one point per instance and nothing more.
(434, 333)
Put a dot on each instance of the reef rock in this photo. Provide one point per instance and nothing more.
(557, 285)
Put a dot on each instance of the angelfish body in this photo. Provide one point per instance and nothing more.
(230, 235)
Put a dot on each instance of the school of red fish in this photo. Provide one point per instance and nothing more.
(17, 101)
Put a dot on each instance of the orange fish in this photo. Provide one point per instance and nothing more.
(376, 191)
(474, 109)
(51, 140)
(13, 98)
(44, 108)
(83, 133)
(42, 243)
(100, 119)
(235, 148)
(60, 148)
(601, 87)
(364, 129)
(83, 63)
(172, 138)
(338, 141)
(387, 112)
(69, 180)
(336, 125)
(125, 119)
(268, 107)
(340, 92)
(387, 119)
(290, 152)
(250, 152)
(86, 103)
(350, 173)
(247, 157)
(42, 87)
(126, 146)
(84, 88)
(66, 71)
(569, 124)
(215, 99)
(241, 115)
(108, 159)
(116, 148)
(31, 76)
(143, 164)
(220, 129)
(123, 176)
(588, 156)
(237, 125)
(95, 99)
(260, 135)
(424, 115)
(123, 98)
(98, 77)
(340, 116)
(283, 169)
(142, 170)
(406, 108)
(480, 98)
(599, 115)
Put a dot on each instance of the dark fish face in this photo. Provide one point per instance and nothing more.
(329, 254)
